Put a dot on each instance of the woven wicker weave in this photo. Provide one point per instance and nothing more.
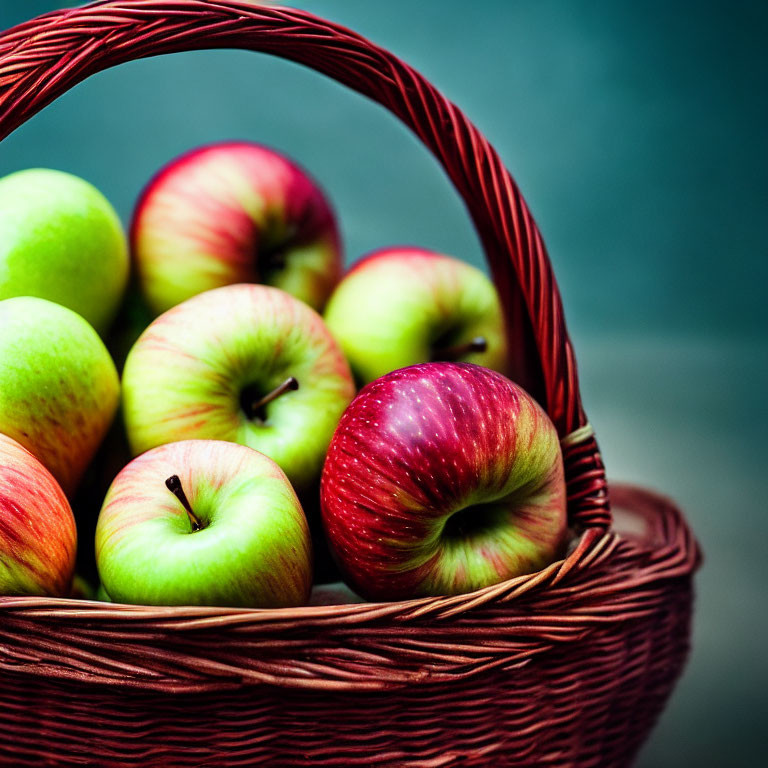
(569, 666)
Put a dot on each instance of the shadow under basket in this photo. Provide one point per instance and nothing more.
(570, 666)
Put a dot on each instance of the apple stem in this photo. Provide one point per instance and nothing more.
(478, 344)
(173, 484)
(289, 383)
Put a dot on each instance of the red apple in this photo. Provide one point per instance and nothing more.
(229, 213)
(38, 539)
(442, 478)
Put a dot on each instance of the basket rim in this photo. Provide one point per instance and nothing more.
(618, 581)
(589, 547)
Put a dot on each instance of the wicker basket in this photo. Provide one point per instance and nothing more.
(570, 666)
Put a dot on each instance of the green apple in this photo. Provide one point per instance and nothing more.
(204, 522)
(61, 240)
(403, 306)
(59, 389)
(82, 589)
(101, 595)
(245, 363)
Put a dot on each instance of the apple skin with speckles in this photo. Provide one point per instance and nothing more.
(61, 240)
(234, 212)
(59, 389)
(252, 549)
(38, 540)
(442, 478)
(191, 372)
(401, 306)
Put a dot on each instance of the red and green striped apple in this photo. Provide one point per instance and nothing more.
(203, 522)
(442, 478)
(59, 389)
(38, 540)
(234, 212)
(245, 363)
(402, 306)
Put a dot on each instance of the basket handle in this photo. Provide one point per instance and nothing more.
(44, 57)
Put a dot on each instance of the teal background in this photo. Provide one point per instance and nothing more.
(637, 132)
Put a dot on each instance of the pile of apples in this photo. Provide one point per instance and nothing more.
(260, 431)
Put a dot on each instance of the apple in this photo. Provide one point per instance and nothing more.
(38, 539)
(245, 363)
(234, 212)
(402, 306)
(59, 389)
(81, 589)
(61, 240)
(442, 478)
(204, 522)
(101, 595)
